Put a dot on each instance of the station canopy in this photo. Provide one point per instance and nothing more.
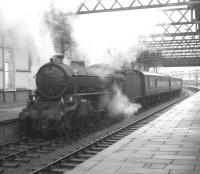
(177, 42)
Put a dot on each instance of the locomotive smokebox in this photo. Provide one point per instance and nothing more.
(52, 79)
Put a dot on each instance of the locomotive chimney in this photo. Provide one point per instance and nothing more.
(58, 58)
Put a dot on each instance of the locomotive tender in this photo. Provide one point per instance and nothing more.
(69, 97)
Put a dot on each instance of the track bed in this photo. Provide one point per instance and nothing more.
(83, 139)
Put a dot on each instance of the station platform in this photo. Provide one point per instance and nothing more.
(168, 145)
(10, 111)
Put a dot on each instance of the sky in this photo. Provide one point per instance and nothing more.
(101, 38)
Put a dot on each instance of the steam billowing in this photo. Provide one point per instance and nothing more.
(120, 104)
(108, 38)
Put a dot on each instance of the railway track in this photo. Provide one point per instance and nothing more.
(21, 151)
(70, 161)
(14, 154)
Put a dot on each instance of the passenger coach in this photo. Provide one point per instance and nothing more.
(149, 87)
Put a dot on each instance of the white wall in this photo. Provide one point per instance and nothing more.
(25, 80)
(21, 80)
(21, 60)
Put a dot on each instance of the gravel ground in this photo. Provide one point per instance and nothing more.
(75, 144)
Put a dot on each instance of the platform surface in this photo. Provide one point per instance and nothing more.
(168, 145)
(10, 111)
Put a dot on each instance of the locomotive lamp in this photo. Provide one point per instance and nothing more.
(62, 100)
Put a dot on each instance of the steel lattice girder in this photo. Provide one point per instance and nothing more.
(173, 62)
(171, 42)
(92, 6)
(168, 46)
(181, 32)
(186, 49)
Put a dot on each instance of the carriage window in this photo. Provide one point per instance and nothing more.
(148, 83)
(159, 82)
(152, 82)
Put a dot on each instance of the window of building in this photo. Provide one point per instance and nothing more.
(9, 69)
(9, 76)
(14, 64)
(1, 59)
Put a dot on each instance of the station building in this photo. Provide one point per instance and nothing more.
(17, 59)
(15, 70)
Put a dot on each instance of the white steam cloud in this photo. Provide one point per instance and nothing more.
(24, 20)
(112, 38)
(108, 38)
(120, 104)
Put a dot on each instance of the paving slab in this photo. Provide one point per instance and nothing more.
(168, 145)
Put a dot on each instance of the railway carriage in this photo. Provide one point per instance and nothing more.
(155, 83)
(68, 97)
(149, 87)
(175, 84)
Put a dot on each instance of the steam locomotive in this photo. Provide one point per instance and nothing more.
(70, 97)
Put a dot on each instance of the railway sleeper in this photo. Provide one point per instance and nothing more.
(144, 122)
(68, 165)
(26, 145)
(110, 141)
(10, 165)
(32, 155)
(22, 146)
(58, 171)
(49, 148)
(83, 133)
(107, 141)
(117, 138)
(119, 135)
(22, 160)
(42, 151)
(91, 152)
(133, 129)
(85, 156)
(76, 160)
(33, 143)
(139, 124)
(97, 148)
(123, 134)
(57, 145)
(103, 145)
(11, 149)
(130, 131)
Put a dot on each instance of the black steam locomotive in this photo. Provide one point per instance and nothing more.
(69, 97)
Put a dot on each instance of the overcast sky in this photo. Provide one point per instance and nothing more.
(101, 38)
